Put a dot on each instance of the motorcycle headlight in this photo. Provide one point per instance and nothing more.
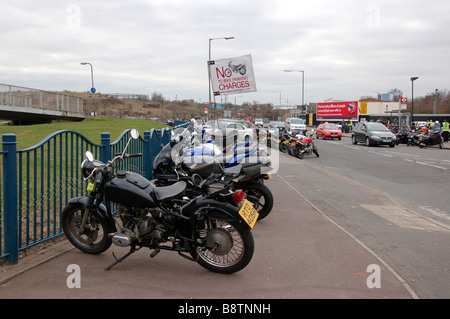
(87, 167)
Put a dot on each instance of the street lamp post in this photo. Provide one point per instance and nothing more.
(303, 84)
(209, 80)
(412, 97)
(92, 76)
(92, 82)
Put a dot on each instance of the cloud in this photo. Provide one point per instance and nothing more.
(346, 49)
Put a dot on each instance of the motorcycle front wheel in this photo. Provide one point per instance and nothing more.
(94, 239)
(316, 151)
(229, 244)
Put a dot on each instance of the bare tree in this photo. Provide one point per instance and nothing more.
(157, 97)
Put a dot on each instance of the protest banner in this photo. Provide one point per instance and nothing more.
(232, 75)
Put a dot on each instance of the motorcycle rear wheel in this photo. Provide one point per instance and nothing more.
(298, 153)
(94, 239)
(260, 196)
(233, 245)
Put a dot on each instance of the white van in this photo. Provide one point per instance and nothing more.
(259, 123)
(293, 123)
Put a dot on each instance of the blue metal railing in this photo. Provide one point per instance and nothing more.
(37, 182)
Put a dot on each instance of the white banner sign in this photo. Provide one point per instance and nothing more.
(232, 75)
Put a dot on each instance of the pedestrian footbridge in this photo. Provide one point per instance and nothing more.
(26, 106)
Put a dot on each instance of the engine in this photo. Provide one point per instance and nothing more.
(308, 148)
(143, 224)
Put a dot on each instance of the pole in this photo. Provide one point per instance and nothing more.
(209, 75)
(435, 102)
(92, 83)
(303, 88)
(9, 194)
(412, 97)
(303, 84)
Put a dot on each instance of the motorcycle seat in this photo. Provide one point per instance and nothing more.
(233, 171)
(166, 192)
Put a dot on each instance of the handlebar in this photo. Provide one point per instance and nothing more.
(100, 168)
(128, 155)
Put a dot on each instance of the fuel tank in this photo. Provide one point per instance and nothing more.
(130, 189)
(204, 165)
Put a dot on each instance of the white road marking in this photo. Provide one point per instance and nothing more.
(427, 164)
(431, 165)
(403, 218)
(403, 154)
(387, 155)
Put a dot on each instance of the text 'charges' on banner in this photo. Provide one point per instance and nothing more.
(232, 75)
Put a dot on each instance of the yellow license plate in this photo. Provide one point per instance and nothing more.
(90, 187)
(248, 213)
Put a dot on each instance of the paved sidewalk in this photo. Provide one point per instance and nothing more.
(299, 253)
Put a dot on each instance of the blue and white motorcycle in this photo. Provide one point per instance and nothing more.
(245, 165)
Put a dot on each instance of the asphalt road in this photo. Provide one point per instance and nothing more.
(394, 200)
(300, 252)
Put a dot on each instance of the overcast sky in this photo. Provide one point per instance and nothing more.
(347, 48)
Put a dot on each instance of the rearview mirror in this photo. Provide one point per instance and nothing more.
(134, 133)
(89, 156)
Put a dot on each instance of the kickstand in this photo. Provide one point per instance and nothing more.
(132, 250)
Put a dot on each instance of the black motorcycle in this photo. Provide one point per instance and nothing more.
(434, 138)
(402, 136)
(174, 163)
(413, 138)
(283, 140)
(213, 232)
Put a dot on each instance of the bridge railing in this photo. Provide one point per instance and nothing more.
(37, 182)
(17, 96)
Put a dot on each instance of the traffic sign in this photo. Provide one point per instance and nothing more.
(92, 90)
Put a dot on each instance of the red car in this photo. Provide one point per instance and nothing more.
(328, 131)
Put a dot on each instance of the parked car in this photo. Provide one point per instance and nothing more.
(328, 131)
(373, 134)
(259, 123)
(244, 133)
(247, 124)
(295, 124)
(275, 125)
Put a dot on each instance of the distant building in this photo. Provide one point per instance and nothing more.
(379, 107)
(392, 96)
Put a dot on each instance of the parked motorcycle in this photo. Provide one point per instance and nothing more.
(213, 232)
(433, 138)
(283, 140)
(246, 163)
(402, 136)
(425, 137)
(300, 145)
(413, 138)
